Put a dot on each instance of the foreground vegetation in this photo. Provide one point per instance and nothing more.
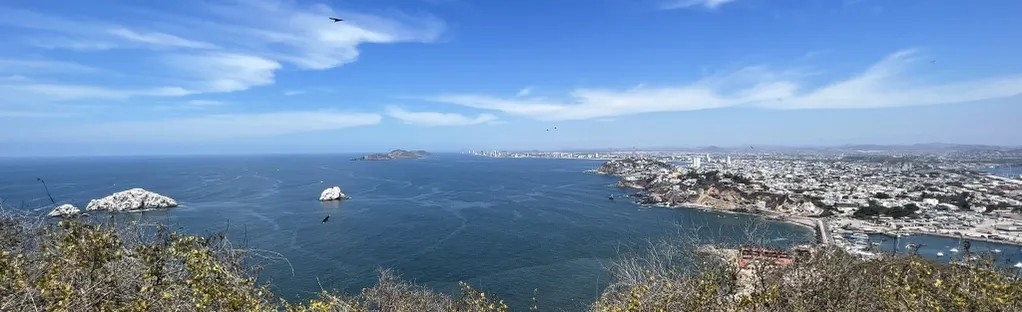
(829, 280)
(72, 265)
(77, 266)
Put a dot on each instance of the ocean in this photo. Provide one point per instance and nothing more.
(506, 226)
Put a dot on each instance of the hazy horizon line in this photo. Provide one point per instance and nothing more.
(680, 148)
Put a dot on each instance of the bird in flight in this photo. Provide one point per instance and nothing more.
(335, 19)
(327, 218)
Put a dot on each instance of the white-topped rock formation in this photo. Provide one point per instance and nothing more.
(133, 199)
(65, 210)
(332, 193)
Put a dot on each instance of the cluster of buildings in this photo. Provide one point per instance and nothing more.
(872, 193)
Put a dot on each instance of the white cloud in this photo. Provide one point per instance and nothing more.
(680, 4)
(438, 119)
(36, 66)
(59, 42)
(159, 39)
(303, 36)
(69, 92)
(220, 127)
(294, 92)
(224, 46)
(225, 72)
(885, 84)
(524, 92)
(204, 103)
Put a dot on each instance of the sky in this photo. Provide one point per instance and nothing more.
(123, 77)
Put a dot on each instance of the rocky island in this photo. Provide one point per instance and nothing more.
(64, 211)
(131, 200)
(333, 193)
(395, 154)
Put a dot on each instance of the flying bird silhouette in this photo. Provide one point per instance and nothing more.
(336, 19)
(327, 218)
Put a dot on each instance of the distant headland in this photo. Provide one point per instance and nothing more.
(395, 154)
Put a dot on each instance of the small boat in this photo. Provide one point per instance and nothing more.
(997, 250)
(940, 254)
(611, 197)
(1018, 265)
(910, 246)
(954, 250)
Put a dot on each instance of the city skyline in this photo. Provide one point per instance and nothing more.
(201, 77)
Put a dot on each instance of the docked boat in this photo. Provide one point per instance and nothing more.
(954, 250)
(940, 254)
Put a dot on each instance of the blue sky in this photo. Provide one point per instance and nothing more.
(232, 76)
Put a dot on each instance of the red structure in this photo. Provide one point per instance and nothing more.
(748, 256)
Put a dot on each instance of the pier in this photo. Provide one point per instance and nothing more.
(823, 233)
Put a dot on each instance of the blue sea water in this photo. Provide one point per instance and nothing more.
(506, 226)
(1012, 172)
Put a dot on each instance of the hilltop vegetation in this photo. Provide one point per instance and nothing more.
(76, 266)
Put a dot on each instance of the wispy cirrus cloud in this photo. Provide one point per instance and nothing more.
(70, 92)
(200, 47)
(887, 83)
(437, 118)
(681, 4)
(204, 103)
(42, 66)
(158, 39)
(213, 127)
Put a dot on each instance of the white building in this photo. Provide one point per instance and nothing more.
(695, 162)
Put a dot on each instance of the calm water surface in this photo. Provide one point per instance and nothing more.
(506, 226)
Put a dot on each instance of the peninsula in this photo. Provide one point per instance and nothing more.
(395, 154)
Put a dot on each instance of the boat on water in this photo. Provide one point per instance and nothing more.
(940, 254)
(1018, 265)
(996, 250)
(954, 250)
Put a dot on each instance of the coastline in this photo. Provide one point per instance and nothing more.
(810, 223)
(802, 221)
(964, 237)
(660, 184)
